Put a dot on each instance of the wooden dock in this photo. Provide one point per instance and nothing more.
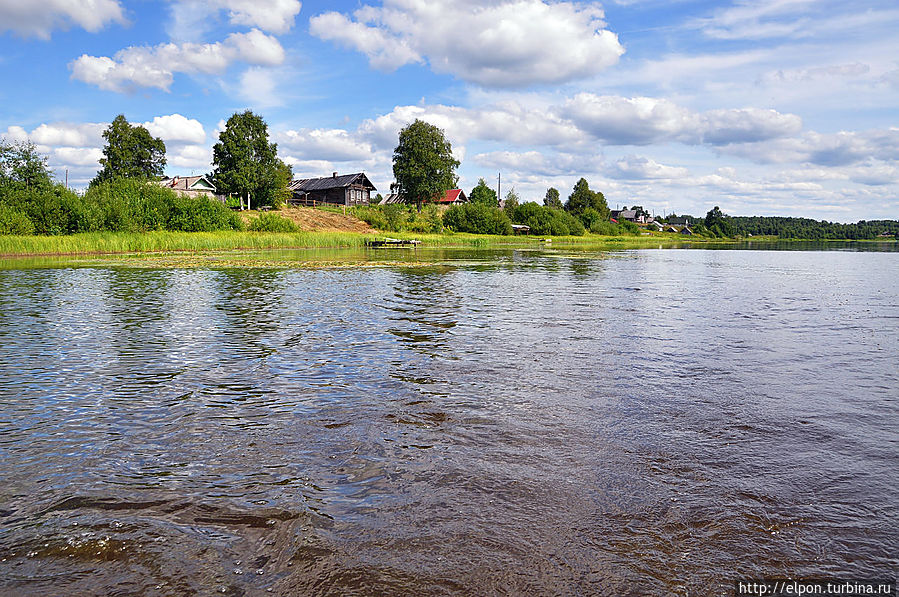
(392, 243)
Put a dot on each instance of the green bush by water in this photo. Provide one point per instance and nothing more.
(269, 222)
(398, 217)
(547, 221)
(477, 218)
(120, 205)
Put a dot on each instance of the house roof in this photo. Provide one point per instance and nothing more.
(188, 183)
(453, 195)
(331, 182)
(628, 214)
(450, 196)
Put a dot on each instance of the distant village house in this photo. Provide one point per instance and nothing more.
(680, 220)
(192, 186)
(629, 215)
(345, 189)
(451, 197)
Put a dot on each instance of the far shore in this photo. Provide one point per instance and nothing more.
(112, 243)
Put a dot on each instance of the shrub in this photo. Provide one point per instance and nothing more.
(548, 221)
(629, 227)
(51, 209)
(590, 216)
(268, 222)
(136, 205)
(606, 228)
(202, 215)
(477, 218)
(395, 215)
(371, 215)
(399, 217)
(429, 220)
(14, 222)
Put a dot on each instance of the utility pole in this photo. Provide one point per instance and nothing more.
(499, 186)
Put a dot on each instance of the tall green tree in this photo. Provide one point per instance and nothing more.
(718, 222)
(511, 202)
(21, 165)
(423, 163)
(552, 199)
(582, 198)
(130, 152)
(483, 194)
(247, 165)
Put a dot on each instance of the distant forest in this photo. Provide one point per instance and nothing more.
(806, 228)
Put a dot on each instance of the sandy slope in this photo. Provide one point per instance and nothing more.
(308, 218)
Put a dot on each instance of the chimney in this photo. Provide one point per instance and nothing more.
(334, 175)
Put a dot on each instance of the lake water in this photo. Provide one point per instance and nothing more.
(654, 422)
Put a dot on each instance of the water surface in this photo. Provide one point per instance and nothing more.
(493, 422)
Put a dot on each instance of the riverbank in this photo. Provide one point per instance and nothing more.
(104, 243)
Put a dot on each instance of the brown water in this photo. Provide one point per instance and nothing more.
(504, 423)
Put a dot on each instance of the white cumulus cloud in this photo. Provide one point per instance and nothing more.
(190, 19)
(507, 122)
(747, 125)
(176, 128)
(845, 148)
(543, 164)
(156, 66)
(190, 157)
(333, 145)
(39, 19)
(641, 168)
(66, 134)
(499, 43)
(632, 121)
(619, 120)
(259, 86)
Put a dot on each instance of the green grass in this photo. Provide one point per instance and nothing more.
(125, 242)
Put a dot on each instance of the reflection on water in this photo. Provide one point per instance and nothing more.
(510, 422)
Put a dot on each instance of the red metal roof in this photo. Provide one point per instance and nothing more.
(451, 196)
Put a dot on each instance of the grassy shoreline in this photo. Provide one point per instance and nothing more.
(111, 243)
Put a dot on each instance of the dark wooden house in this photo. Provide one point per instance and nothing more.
(346, 189)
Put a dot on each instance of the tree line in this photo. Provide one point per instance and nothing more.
(245, 163)
(424, 169)
(120, 196)
(805, 228)
(31, 202)
(246, 167)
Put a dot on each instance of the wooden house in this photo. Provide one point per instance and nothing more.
(346, 189)
(680, 220)
(630, 215)
(192, 186)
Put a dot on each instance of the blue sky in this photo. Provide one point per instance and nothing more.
(768, 107)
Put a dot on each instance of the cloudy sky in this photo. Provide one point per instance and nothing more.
(764, 107)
